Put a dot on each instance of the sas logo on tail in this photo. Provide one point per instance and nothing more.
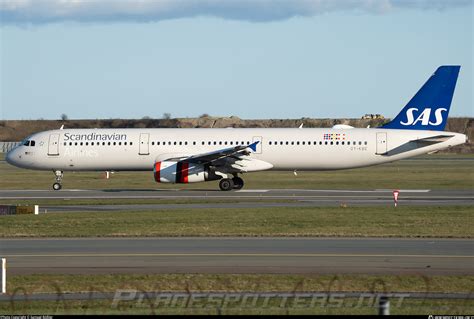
(423, 117)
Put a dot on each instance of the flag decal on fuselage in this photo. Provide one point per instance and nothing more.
(334, 136)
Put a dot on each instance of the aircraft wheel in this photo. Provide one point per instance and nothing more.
(238, 182)
(57, 186)
(226, 184)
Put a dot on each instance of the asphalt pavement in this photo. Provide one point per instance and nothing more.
(239, 255)
(247, 198)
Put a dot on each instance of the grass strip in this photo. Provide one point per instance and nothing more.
(48, 283)
(238, 283)
(410, 222)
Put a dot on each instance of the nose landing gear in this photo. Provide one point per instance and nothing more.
(59, 177)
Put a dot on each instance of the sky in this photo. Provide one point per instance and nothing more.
(259, 59)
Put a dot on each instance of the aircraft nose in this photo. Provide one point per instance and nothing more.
(11, 157)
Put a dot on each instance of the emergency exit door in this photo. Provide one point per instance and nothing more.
(381, 143)
(144, 144)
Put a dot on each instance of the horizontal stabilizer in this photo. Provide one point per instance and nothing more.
(433, 139)
(418, 143)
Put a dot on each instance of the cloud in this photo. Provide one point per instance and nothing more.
(24, 12)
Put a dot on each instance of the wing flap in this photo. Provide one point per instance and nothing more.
(235, 152)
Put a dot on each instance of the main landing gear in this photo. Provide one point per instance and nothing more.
(59, 177)
(227, 184)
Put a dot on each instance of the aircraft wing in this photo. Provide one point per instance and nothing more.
(235, 152)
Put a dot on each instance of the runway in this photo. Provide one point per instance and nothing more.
(246, 198)
(239, 255)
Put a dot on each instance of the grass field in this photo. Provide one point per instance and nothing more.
(445, 221)
(236, 283)
(140, 201)
(239, 282)
(427, 172)
(28, 284)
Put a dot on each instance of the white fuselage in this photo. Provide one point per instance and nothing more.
(283, 148)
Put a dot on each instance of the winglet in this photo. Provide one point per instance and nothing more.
(253, 146)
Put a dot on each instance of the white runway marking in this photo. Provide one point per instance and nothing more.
(405, 190)
(252, 191)
(353, 191)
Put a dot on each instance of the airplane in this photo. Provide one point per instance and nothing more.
(190, 155)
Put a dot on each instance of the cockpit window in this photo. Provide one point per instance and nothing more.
(29, 143)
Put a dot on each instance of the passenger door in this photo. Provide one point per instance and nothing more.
(53, 144)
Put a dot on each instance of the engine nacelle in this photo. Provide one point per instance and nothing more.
(182, 172)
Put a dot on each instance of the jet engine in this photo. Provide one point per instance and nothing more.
(182, 172)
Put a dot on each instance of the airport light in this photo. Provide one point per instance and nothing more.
(384, 306)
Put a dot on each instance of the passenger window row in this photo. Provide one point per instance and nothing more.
(97, 143)
(275, 143)
(316, 143)
(202, 143)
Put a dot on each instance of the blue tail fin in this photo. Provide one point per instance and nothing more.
(429, 108)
